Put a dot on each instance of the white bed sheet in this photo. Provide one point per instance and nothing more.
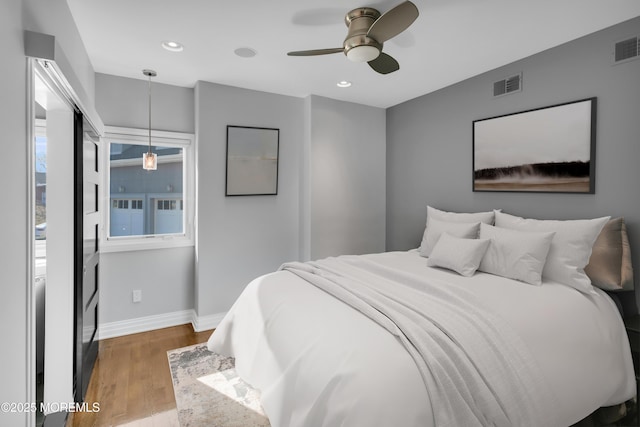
(319, 362)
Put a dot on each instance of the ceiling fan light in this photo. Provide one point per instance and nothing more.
(363, 53)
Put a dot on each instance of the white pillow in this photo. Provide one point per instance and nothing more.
(460, 255)
(486, 217)
(570, 249)
(435, 228)
(515, 254)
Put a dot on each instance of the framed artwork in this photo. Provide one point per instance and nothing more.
(252, 161)
(549, 149)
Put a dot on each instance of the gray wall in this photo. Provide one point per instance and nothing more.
(346, 178)
(13, 256)
(122, 101)
(53, 17)
(331, 180)
(330, 201)
(169, 286)
(240, 238)
(429, 147)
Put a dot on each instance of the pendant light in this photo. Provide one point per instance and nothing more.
(149, 159)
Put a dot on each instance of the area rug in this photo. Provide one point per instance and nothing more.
(209, 392)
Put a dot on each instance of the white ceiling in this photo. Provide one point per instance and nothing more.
(450, 41)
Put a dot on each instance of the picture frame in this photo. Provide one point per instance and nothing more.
(252, 161)
(543, 150)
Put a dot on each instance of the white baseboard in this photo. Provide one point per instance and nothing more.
(144, 324)
(204, 323)
(159, 321)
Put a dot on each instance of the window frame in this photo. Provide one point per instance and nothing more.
(186, 141)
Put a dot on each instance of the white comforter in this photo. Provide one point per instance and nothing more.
(319, 362)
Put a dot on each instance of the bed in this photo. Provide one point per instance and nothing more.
(396, 339)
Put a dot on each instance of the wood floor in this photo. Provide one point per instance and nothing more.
(131, 381)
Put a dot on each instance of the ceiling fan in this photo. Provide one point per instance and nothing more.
(368, 30)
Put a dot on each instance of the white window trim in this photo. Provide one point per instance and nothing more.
(158, 138)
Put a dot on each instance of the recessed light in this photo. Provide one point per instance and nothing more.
(245, 52)
(344, 83)
(172, 46)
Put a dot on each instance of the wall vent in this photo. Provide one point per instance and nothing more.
(509, 85)
(626, 50)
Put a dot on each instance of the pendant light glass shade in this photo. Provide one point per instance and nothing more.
(149, 159)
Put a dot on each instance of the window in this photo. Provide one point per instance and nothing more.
(41, 187)
(148, 209)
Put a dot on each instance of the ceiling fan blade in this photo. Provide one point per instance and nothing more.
(316, 52)
(393, 22)
(384, 64)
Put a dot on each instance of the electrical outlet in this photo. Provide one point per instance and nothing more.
(137, 295)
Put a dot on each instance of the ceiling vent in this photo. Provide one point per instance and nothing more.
(626, 50)
(509, 85)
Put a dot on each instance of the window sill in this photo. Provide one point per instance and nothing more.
(144, 244)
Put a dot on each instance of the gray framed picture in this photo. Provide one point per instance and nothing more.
(252, 161)
(549, 149)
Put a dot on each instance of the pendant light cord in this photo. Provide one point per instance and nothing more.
(149, 159)
(149, 114)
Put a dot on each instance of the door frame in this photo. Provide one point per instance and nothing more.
(56, 79)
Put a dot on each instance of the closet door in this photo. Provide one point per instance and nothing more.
(87, 257)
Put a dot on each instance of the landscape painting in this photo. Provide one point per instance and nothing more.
(252, 161)
(550, 149)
